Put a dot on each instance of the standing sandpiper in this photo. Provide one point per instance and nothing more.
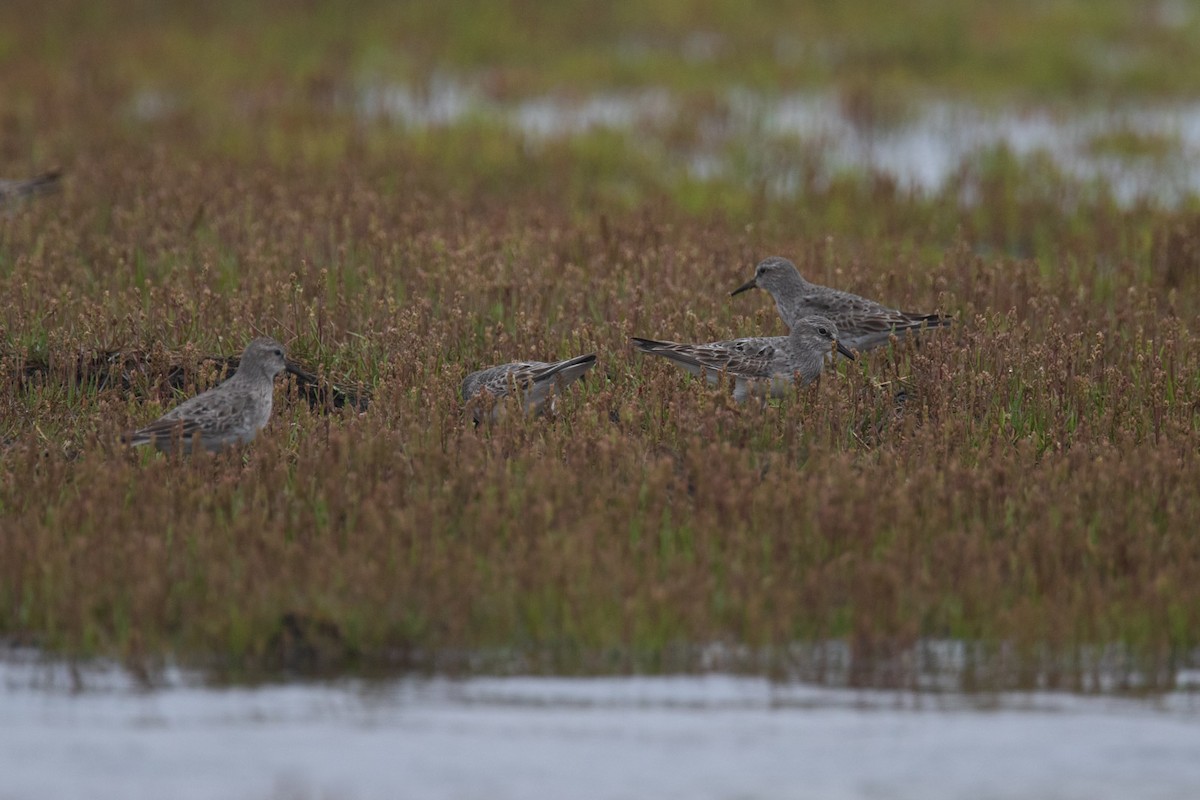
(862, 323)
(226, 415)
(759, 365)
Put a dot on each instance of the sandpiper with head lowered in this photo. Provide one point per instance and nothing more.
(758, 365)
(533, 381)
(226, 415)
(862, 323)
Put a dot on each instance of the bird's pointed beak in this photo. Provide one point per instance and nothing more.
(846, 351)
(745, 287)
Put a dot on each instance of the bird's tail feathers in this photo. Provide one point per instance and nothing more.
(929, 320)
(567, 371)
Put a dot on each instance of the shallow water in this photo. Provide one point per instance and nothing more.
(777, 139)
(97, 734)
(923, 151)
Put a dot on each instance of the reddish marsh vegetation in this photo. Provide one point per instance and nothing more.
(1035, 484)
(1025, 479)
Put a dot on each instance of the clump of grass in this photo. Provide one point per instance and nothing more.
(1131, 144)
(873, 105)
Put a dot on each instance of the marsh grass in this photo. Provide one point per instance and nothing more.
(1025, 480)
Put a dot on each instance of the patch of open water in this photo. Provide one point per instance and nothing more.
(922, 151)
(1140, 151)
(94, 732)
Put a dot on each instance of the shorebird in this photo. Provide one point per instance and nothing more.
(862, 323)
(535, 381)
(13, 192)
(758, 365)
(225, 415)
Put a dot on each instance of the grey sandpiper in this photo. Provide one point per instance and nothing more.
(535, 381)
(863, 324)
(229, 414)
(758, 365)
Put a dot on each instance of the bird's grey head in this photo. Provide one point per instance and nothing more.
(819, 332)
(775, 275)
(263, 357)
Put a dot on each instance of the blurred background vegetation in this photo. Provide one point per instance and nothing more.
(710, 105)
(1062, 50)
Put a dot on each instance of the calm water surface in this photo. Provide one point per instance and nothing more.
(97, 734)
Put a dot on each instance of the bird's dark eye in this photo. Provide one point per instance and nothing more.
(823, 331)
(279, 352)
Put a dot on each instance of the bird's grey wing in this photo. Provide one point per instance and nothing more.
(752, 347)
(474, 383)
(211, 413)
(545, 379)
(759, 356)
(565, 371)
(499, 380)
(856, 316)
(886, 320)
(918, 320)
(749, 358)
(182, 421)
(836, 304)
(164, 429)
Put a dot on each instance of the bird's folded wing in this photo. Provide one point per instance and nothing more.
(751, 358)
(207, 413)
(519, 376)
(165, 428)
(751, 347)
(892, 320)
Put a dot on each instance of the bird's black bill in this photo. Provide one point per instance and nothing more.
(846, 351)
(745, 287)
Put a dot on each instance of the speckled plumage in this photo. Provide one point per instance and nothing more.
(536, 380)
(226, 415)
(757, 365)
(862, 323)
